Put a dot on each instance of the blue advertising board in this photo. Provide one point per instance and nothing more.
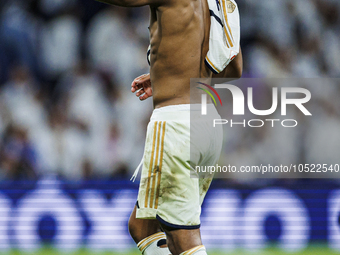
(291, 213)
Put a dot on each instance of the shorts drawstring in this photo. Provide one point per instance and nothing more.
(134, 176)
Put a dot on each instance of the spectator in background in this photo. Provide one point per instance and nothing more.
(61, 145)
(17, 155)
(330, 46)
(60, 38)
(89, 111)
(322, 137)
(20, 97)
(18, 38)
(105, 37)
(64, 107)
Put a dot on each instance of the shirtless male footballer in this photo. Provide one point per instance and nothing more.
(169, 200)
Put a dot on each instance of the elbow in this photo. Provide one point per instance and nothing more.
(238, 73)
(235, 68)
(239, 70)
(238, 65)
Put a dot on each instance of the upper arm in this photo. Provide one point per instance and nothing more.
(135, 3)
(233, 70)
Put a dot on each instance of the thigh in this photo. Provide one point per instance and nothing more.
(167, 191)
(142, 228)
(177, 202)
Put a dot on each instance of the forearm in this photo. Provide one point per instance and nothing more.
(125, 3)
(233, 70)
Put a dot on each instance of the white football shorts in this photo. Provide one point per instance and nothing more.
(168, 189)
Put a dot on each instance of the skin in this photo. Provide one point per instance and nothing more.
(179, 38)
(178, 240)
(143, 89)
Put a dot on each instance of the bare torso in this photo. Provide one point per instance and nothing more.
(179, 37)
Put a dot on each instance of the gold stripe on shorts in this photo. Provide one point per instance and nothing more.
(154, 169)
(151, 164)
(160, 166)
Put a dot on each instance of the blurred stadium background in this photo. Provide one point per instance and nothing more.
(72, 133)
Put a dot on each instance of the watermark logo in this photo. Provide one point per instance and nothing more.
(204, 97)
(239, 100)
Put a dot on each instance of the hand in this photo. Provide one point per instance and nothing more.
(142, 85)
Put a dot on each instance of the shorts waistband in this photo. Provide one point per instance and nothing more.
(180, 112)
(173, 108)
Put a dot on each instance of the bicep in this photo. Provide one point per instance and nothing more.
(234, 69)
